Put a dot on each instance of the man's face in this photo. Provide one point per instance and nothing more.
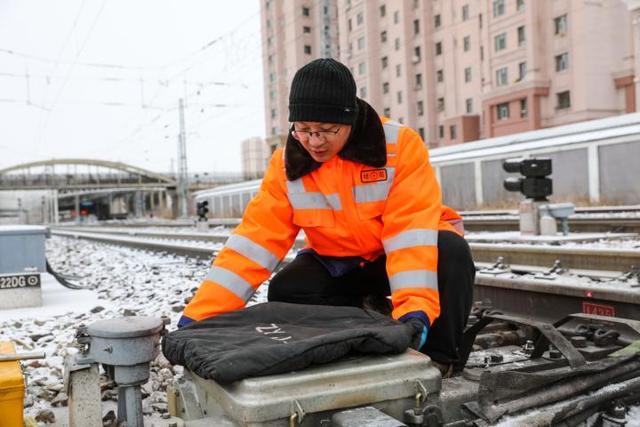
(321, 140)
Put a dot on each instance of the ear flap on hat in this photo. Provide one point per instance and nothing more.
(367, 143)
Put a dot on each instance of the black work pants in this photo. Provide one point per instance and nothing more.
(307, 281)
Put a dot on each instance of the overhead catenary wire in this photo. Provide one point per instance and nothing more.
(42, 130)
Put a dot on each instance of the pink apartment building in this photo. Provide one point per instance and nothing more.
(461, 70)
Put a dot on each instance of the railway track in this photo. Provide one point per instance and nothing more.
(521, 254)
(495, 221)
(505, 349)
(540, 281)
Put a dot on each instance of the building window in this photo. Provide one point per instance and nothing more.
(272, 95)
(439, 48)
(440, 131)
(562, 61)
(465, 12)
(399, 97)
(500, 42)
(383, 37)
(439, 76)
(416, 54)
(560, 24)
(564, 100)
(307, 49)
(452, 132)
(467, 74)
(360, 43)
(306, 11)
(421, 132)
(498, 8)
(416, 26)
(359, 18)
(520, 5)
(437, 21)
(420, 108)
(522, 70)
(523, 108)
(361, 68)
(521, 36)
(385, 62)
(306, 29)
(469, 105)
(349, 26)
(481, 53)
(397, 44)
(440, 104)
(502, 111)
(418, 81)
(385, 87)
(383, 10)
(502, 76)
(363, 92)
(398, 70)
(416, 3)
(396, 17)
(274, 131)
(466, 43)
(386, 112)
(400, 119)
(273, 113)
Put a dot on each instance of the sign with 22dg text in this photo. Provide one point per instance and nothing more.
(17, 281)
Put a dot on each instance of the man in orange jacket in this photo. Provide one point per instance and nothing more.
(363, 191)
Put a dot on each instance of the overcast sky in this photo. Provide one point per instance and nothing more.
(102, 78)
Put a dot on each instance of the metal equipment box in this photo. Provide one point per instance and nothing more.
(310, 397)
(22, 248)
(22, 259)
(11, 389)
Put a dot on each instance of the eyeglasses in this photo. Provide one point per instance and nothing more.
(307, 134)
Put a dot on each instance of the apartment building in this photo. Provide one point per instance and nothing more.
(294, 32)
(461, 70)
(255, 156)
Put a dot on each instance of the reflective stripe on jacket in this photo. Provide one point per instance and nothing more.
(345, 209)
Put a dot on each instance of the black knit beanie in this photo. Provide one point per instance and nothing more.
(323, 91)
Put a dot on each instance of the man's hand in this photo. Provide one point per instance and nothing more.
(420, 332)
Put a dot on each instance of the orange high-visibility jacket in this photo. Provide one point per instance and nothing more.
(345, 208)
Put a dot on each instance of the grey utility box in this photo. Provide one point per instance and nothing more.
(22, 260)
(311, 396)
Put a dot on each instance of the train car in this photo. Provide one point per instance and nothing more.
(593, 162)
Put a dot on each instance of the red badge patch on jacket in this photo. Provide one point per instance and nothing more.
(373, 175)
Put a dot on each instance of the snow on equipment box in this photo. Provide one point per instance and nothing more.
(309, 397)
(11, 389)
(22, 260)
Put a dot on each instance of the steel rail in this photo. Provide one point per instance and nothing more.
(621, 260)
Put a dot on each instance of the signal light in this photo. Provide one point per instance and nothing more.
(202, 210)
(535, 184)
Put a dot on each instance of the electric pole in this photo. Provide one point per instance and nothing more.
(183, 177)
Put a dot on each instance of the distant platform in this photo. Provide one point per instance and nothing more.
(516, 237)
(56, 300)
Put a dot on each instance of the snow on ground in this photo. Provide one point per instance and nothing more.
(126, 282)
